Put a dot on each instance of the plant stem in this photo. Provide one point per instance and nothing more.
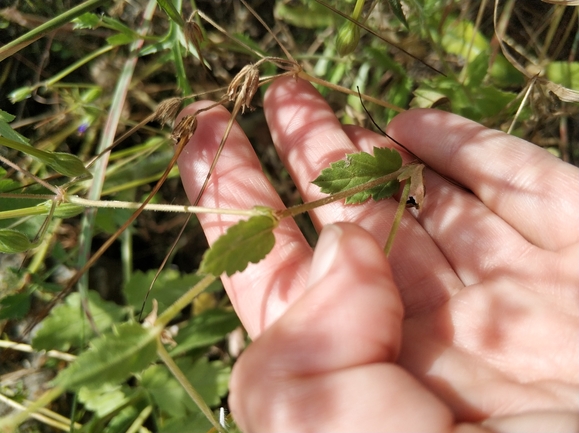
(184, 300)
(182, 379)
(305, 207)
(26, 39)
(316, 80)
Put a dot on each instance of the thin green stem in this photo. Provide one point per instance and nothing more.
(74, 66)
(184, 300)
(34, 34)
(192, 392)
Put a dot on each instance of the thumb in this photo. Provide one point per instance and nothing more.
(325, 365)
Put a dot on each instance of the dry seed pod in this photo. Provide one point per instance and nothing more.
(244, 92)
(185, 129)
(193, 33)
(168, 109)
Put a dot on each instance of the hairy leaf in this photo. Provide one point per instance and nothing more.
(360, 168)
(114, 357)
(243, 243)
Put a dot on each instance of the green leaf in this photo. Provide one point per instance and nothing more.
(210, 379)
(121, 39)
(12, 241)
(243, 243)
(457, 37)
(164, 389)
(360, 168)
(169, 287)
(104, 400)
(114, 357)
(14, 306)
(170, 10)
(7, 131)
(87, 20)
(398, 12)
(68, 164)
(68, 326)
(206, 329)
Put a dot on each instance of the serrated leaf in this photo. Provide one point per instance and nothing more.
(360, 168)
(396, 7)
(205, 329)
(67, 325)
(243, 243)
(12, 241)
(112, 359)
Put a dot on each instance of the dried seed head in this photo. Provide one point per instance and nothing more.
(185, 129)
(244, 86)
(168, 109)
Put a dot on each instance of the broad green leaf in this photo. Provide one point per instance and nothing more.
(112, 359)
(360, 168)
(67, 325)
(210, 379)
(205, 329)
(104, 400)
(243, 243)
(170, 10)
(398, 12)
(164, 389)
(12, 241)
(169, 287)
(14, 306)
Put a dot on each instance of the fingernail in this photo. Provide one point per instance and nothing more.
(324, 253)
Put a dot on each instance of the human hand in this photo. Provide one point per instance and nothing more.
(470, 325)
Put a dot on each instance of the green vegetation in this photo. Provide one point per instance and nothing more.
(85, 140)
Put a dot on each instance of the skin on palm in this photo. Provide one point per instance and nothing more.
(486, 273)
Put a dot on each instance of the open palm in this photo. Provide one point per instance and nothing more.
(471, 324)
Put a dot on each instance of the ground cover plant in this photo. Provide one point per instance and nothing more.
(88, 98)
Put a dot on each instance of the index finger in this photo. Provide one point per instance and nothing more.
(525, 185)
(265, 290)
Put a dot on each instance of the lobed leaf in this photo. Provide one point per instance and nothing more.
(67, 325)
(245, 242)
(360, 168)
